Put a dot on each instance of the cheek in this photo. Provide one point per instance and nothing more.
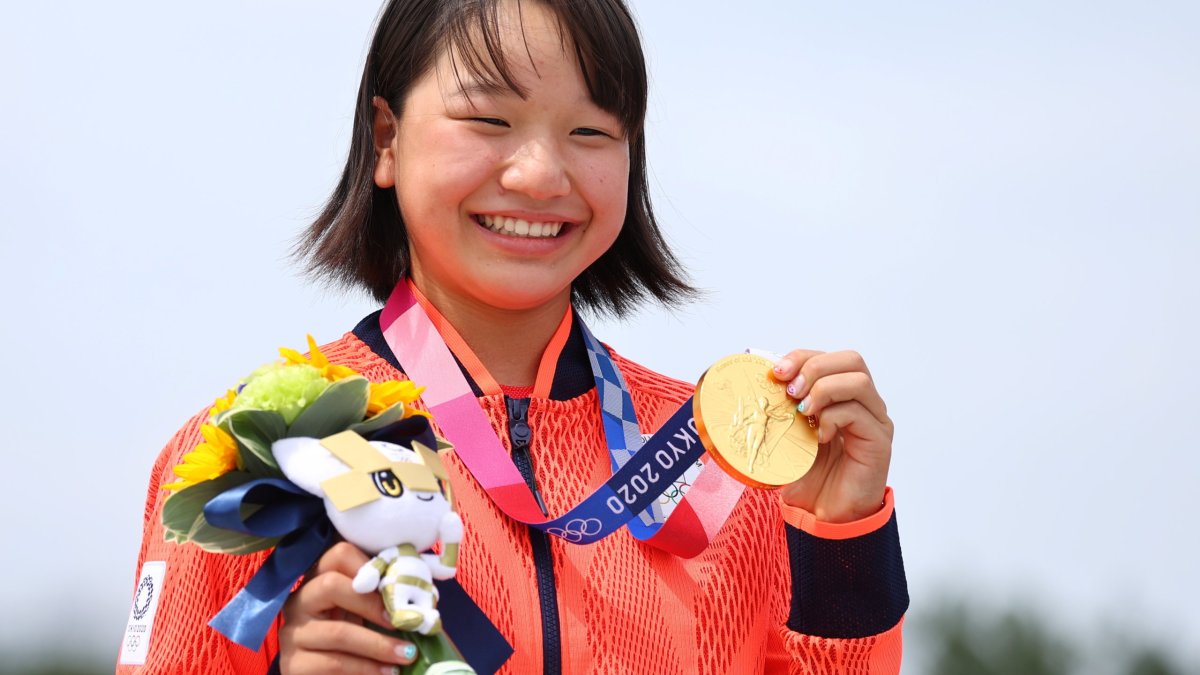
(607, 183)
(440, 170)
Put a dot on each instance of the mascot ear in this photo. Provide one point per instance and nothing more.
(306, 463)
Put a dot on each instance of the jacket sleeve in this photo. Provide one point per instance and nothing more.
(194, 586)
(848, 595)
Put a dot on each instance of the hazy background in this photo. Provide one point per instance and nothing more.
(997, 203)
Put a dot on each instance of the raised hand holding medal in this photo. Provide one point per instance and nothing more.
(829, 453)
(849, 476)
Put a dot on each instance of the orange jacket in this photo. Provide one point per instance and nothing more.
(621, 606)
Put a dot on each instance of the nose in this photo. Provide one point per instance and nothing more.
(537, 170)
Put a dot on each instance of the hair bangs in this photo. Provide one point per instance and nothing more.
(473, 44)
(609, 55)
(601, 38)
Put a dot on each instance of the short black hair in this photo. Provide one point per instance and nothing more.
(359, 238)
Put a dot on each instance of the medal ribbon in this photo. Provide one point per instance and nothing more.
(642, 472)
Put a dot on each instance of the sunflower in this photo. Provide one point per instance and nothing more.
(316, 359)
(215, 457)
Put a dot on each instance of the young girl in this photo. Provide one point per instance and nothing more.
(497, 179)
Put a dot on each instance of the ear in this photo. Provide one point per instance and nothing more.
(306, 463)
(384, 134)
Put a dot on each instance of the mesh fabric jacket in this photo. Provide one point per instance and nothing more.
(622, 606)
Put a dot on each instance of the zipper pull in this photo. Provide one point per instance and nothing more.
(520, 433)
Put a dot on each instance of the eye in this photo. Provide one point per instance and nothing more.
(388, 484)
(494, 121)
(588, 131)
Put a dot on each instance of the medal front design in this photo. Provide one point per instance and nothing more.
(750, 426)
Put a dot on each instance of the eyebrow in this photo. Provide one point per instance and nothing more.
(471, 88)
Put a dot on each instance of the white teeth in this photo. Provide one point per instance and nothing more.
(520, 228)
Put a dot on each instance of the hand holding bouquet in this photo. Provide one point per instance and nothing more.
(304, 451)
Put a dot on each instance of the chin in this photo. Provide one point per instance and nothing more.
(520, 295)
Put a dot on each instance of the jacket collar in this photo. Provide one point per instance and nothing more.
(572, 374)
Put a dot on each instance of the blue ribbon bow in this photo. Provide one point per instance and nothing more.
(285, 511)
(279, 508)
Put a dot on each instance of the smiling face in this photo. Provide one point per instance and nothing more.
(506, 198)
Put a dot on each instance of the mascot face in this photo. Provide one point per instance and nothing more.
(388, 511)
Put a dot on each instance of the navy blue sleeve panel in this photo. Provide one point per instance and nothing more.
(274, 669)
(847, 588)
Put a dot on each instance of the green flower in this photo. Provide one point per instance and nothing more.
(284, 388)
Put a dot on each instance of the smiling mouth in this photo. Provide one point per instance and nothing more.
(515, 227)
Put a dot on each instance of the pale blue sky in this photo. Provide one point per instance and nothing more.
(997, 203)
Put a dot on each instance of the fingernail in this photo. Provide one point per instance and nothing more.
(797, 386)
(408, 652)
(387, 618)
(782, 365)
(391, 670)
(804, 404)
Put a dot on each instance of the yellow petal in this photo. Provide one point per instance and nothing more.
(193, 473)
(223, 403)
(292, 356)
(209, 432)
(314, 352)
(335, 372)
(202, 457)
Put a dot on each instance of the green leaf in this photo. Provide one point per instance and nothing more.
(185, 508)
(380, 420)
(255, 431)
(344, 403)
(217, 540)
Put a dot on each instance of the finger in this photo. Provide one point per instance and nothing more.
(342, 557)
(853, 421)
(840, 388)
(331, 591)
(324, 663)
(828, 363)
(345, 637)
(788, 367)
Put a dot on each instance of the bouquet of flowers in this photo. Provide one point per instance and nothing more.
(303, 451)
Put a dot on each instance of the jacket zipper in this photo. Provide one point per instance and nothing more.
(519, 434)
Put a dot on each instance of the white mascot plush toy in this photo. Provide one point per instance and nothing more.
(391, 502)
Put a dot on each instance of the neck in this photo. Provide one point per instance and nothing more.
(509, 342)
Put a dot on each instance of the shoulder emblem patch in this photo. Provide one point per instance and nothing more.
(136, 644)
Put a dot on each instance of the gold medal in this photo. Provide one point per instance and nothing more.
(750, 426)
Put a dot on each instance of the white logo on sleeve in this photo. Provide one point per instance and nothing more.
(141, 615)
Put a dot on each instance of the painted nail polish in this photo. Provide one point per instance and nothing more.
(791, 390)
(804, 404)
(407, 652)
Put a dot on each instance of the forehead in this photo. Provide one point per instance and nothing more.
(507, 46)
(506, 50)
